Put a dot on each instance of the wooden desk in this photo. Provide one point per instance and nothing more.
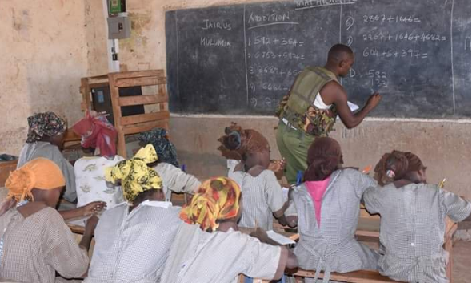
(6, 167)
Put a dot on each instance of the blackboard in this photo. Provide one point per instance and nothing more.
(242, 59)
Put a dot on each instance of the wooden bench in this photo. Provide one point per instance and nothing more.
(368, 226)
(361, 276)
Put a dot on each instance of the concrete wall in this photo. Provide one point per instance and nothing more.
(46, 47)
(442, 145)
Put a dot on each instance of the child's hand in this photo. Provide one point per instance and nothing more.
(277, 166)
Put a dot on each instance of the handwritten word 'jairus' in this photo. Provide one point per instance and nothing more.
(267, 18)
(390, 19)
(320, 3)
(273, 55)
(218, 42)
(262, 40)
(415, 37)
(272, 70)
(216, 25)
(390, 53)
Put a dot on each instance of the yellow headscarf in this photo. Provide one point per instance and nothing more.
(216, 199)
(39, 173)
(135, 175)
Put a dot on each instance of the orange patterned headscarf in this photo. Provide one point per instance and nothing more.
(216, 199)
(39, 173)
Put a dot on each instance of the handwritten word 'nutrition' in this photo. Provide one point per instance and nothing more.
(267, 18)
(390, 53)
(218, 42)
(216, 25)
(414, 37)
(390, 19)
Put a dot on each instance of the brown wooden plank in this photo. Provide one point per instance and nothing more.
(76, 229)
(117, 115)
(363, 276)
(140, 81)
(86, 95)
(137, 74)
(140, 100)
(141, 118)
(99, 85)
(99, 77)
(146, 126)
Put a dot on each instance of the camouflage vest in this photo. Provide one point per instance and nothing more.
(298, 108)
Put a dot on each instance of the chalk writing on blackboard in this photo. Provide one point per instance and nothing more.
(216, 25)
(308, 4)
(394, 53)
(390, 19)
(218, 42)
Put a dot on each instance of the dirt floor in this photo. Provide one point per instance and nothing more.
(462, 262)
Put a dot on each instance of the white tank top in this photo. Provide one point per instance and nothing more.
(319, 103)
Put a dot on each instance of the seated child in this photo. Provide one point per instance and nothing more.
(45, 139)
(412, 219)
(174, 179)
(133, 239)
(327, 206)
(262, 194)
(35, 243)
(208, 246)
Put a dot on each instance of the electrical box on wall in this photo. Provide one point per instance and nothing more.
(117, 6)
(119, 27)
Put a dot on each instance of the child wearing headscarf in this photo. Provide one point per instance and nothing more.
(34, 240)
(262, 194)
(209, 248)
(132, 240)
(45, 140)
(327, 206)
(174, 179)
(413, 219)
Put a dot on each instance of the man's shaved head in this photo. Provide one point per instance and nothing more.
(340, 59)
(339, 52)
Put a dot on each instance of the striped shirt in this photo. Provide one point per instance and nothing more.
(176, 180)
(261, 196)
(37, 246)
(202, 257)
(412, 229)
(133, 247)
(331, 245)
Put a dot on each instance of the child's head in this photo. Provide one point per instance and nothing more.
(260, 158)
(399, 165)
(217, 200)
(323, 158)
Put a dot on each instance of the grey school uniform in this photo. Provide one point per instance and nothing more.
(413, 228)
(48, 151)
(176, 180)
(331, 247)
(219, 257)
(261, 196)
(133, 246)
